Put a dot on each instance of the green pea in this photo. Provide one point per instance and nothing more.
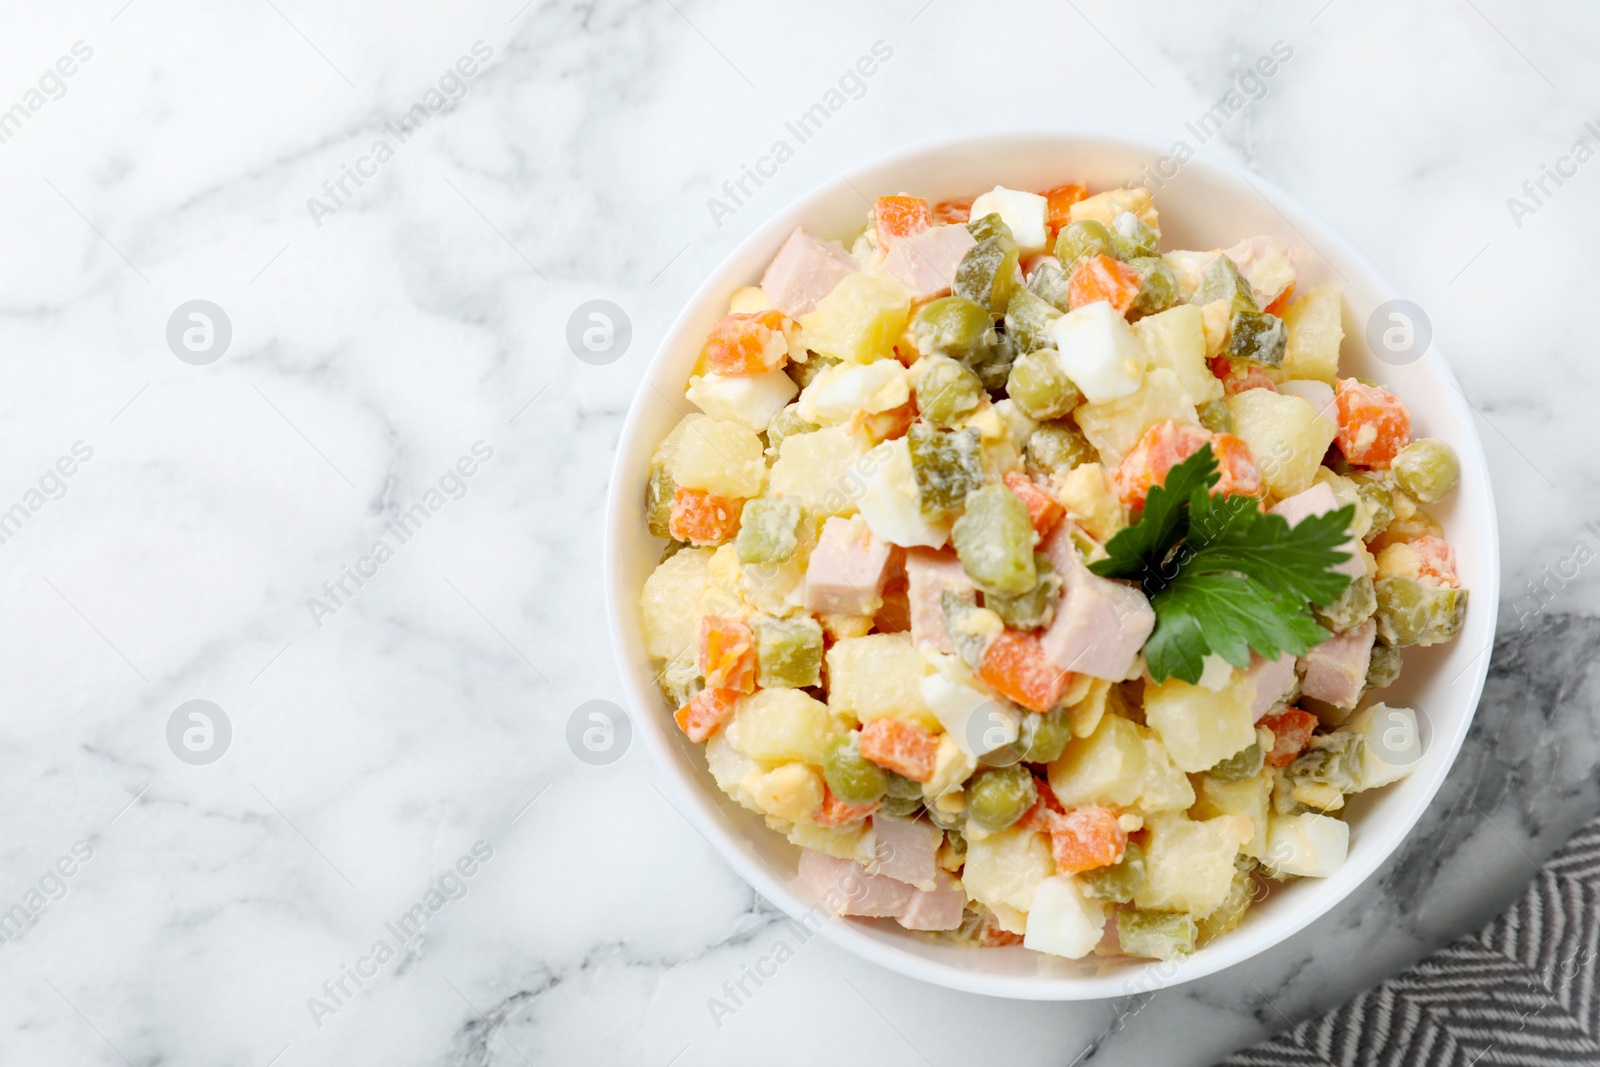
(947, 392)
(1158, 289)
(852, 777)
(1040, 387)
(999, 796)
(1131, 239)
(900, 787)
(804, 373)
(1057, 447)
(1215, 416)
(946, 820)
(991, 225)
(1427, 469)
(1416, 613)
(987, 273)
(1081, 239)
(1354, 606)
(1246, 763)
(1383, 669)
(952, 326)
(901, 807)
(788, 422)
(1048, 735)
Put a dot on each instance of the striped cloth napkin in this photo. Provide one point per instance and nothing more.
(1522, 990)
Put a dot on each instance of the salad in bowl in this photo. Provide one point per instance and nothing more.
(1038, 582)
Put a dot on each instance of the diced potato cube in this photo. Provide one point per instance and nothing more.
(1115, 427)
(1090, 497)
(669, 605)
(723, 457)
(1176, 339)
(1062, 921)
(1107, 767)
(860, 320)
(782, 725)
(1314, 335)
(852, 841)
(792, 792)
(1165, 787)
(1198, 726)
(820, 469)
(1105, 207)
(1287, 436)
(877, 675)
(1188, 864)
(1084, 715)
(1005, 868)
(732, 770)
(1309, 845)
(1248, 797)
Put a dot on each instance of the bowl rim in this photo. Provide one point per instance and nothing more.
(689, 797)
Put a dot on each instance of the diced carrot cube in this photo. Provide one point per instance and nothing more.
(954, 211)
(1163, 446)
(900, 746)
(1043, 511)
(1436, 561)
(1016, 666)
(1291, 731)
(701, 517)
(1280, 302)
(1087, 838)
(1237, 465)
(995, 937)
(900, 216)
(1099, 278)
(1374, 424)
(1045, 811)
(706, 711)
(835, 812)
(1060, 201)
(748, 343)
(727, 653)
(887, 425)
(1239, 375)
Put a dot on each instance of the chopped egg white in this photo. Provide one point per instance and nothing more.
(1097, 349)
(1312, 846)
(1026, 214)
(748, 399)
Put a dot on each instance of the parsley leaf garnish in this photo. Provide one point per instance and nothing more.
(1223, 577)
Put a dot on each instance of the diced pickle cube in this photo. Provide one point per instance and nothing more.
(1214, 416)
(1032, 609)
(991, 225)
(1159, 288)
(1416, 613)
(1257, 337)
(1083, 238)
(971, 628)
(1427, 469)
(1049, 282)
(1132, 239)
(1354, 606)
(658, 501)
(1162, 935)
(994, 541)
(1221, 280)
(1383, 668)
(1335, 760)
(1040, 388)
(767, 530)
(787, 423)
(1045, 736)
(804, 373)
(1375, 494)
(1118, 883)
(987, 273)
(993, 364)
(947, 392)
(1246, 763)
(1028, 319)
(788, 652)
(952, 326)
(1056, 448)
(947, 466)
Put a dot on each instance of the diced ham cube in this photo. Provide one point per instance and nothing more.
(926, 263)
(939, 908)
(1336, 670)
(1316, 501)
(804, 271)
(847, 570)
(845, 887)
(929, 575)
(1100, 625)
(1274, 678)
(903, 849)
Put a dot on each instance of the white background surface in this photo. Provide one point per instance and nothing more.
(369, 753)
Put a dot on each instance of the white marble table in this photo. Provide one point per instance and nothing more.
(396, 858)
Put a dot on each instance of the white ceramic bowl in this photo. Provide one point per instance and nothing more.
(1209, 204)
